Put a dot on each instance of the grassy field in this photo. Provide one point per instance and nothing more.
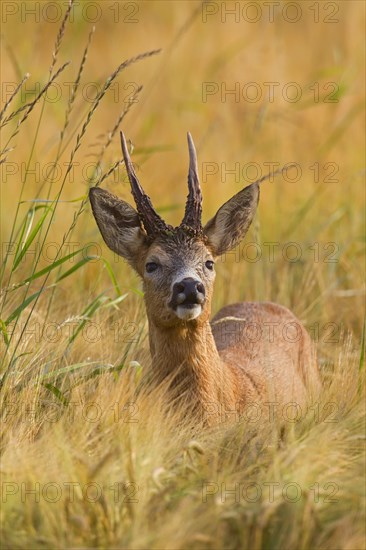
(91, 457)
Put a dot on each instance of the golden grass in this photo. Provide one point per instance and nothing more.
(76, 364)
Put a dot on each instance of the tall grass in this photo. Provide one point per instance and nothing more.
(34, 231)
(92, 456)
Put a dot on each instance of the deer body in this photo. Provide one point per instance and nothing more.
(251, 352)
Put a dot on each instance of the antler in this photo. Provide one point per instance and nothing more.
(153, 223)
(193, 212)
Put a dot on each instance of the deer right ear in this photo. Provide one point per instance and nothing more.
(119, 224)
(231, 222)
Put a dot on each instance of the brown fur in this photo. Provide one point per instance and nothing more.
(251, 353)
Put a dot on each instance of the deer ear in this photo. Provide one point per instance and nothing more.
(119, 224)
(231, 222)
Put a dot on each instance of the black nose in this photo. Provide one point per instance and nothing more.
(188, 292)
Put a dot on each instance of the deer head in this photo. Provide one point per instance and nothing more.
(175, 263)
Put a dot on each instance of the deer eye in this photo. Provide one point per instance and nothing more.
(209, 264)
(151, 266)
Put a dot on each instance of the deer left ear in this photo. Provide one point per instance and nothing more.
(231, 222)
(119, 225)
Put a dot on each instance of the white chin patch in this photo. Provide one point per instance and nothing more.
(188, 313)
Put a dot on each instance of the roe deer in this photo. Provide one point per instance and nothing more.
(222, 367)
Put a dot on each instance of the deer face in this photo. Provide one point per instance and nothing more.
(176, 264)
(178, 274)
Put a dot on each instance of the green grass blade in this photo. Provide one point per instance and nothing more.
(4, 332)
(22, 306)
(25, 228)
(116, 301)
(138, 292)
(112, 276)
(56, 392)
(49, 268)
(88, 313)
(31, 236)
(50, 201)
(69, 369)
(75, 267)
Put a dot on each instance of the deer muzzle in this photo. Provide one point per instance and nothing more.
(188, 298)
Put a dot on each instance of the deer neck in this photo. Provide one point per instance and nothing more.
(187, 355)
